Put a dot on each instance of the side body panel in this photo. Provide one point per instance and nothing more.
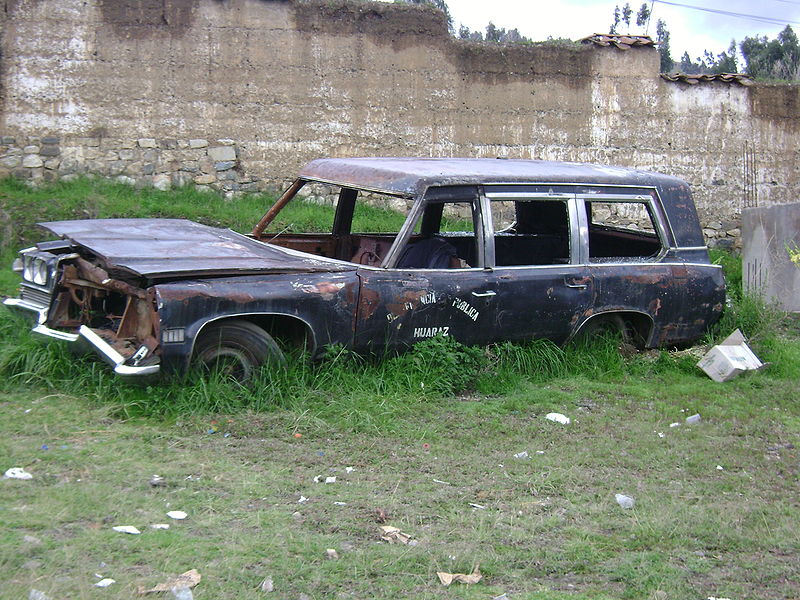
(325, 302)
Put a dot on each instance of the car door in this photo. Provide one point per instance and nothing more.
(401, 304)
(542, 282)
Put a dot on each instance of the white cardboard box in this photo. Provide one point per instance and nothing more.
(730, 358)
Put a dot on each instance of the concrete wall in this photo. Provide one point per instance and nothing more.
(771, 256)
(238, 94)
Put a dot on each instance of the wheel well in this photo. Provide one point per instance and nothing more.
(640, 324)
(286, 331)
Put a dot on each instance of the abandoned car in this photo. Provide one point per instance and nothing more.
(490, 250)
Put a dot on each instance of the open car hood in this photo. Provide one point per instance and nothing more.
(161, 248)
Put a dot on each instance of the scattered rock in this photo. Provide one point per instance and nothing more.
(331, 554)
(266, 585)
(178, 515)
(624, 501)
(130, 529)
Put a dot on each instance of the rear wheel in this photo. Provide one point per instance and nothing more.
(235, 349)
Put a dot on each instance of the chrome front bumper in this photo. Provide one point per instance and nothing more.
(103, 348)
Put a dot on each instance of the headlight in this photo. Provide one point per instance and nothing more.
(35, 269)
(27, 267)
(39, 272)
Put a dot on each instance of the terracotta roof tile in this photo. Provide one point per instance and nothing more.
(623, 42)
(695, 78)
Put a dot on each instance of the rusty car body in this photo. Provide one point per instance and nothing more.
(524, 249)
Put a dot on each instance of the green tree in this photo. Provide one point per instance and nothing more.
(773, 59)
(662, 40)
(643, 16)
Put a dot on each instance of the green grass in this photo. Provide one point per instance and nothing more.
(428, 433)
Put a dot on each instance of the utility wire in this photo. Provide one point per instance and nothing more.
(769, 20)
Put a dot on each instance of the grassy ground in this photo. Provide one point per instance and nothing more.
(431, 438)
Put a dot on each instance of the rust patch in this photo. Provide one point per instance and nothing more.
(654, 306)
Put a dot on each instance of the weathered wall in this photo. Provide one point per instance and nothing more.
(237, 94)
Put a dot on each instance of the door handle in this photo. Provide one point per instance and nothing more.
(576, 283)
(484, 294)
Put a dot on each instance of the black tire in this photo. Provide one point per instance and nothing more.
(236, 349)
(605, 326)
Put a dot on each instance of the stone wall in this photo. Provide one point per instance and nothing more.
(238, 94)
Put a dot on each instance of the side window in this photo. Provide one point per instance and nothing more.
(531, 232)
(445, 238)
(621, 230)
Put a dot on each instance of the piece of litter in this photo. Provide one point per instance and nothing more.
(126, 529)
(17, 473)
(104, 583)
(159, 526)
(349, 469)
(178, 515)
(521, 455)
(45, 447)
(660, 434)
(393, 534)
(331, 554)
(317, 478)
(502, 596)
(189, 579)
(37, 595)
(27, 410)
(441, 482)
(624, 501)
(330, 480)
(448, 578)
(674, 424)
(266, 585)
(540, 452)
(157, 481)
(720, 468)
(181, 592)
(558, 418)
(693, 419)
(340, 503)
(473, 505)
(302, 500)
(729, 358)
(98, 575)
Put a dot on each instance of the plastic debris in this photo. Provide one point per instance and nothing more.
(331, 554)
(266, 585)
(624, 501)
(522, 455)
(674, 425)
(661, 434)
(45, 447)
(557, 418)
(393, 534)
(17, 473)
(330, 480)
(540, 452)
(720, 468)
(157, 481)
(189, 579)
(181, 592)
(441, 482)
(349, 469)
(178, 515)
(104, 583)
(302, 500)
(126, 529)
(480, 506)
(159, 526)
(502, 596)
(340, 503)
(448, 578)
(37, 595)
(694, 419)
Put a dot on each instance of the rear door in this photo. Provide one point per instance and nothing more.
(542, 281)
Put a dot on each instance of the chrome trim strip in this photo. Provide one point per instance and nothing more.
(113, 357)
(20, 304)
(54, 333)
(689, 248)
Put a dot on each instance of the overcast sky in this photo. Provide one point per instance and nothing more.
(691, 30)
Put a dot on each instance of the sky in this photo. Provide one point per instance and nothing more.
(690, 29)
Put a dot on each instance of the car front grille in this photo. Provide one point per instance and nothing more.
(34, 296)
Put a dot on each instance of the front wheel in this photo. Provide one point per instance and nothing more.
(235, 349)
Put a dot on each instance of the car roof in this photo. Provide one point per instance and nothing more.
(412, 176)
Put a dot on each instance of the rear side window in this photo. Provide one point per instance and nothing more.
(622, 230)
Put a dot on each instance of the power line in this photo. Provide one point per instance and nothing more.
(727, 13)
